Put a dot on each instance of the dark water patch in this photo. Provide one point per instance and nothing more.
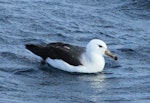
(122, 100)
(61, 35)
(126, 50)
(16, 58)
(36, 27)
(128, 54)
(3, 40)
(31, 40)
(22, 71)
(75, 99)
(12, 40)
(137, 9)
(18, 62)
(4, 19)
(4, 2)
(9, 84)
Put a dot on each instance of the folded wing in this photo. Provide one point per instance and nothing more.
(68, 53)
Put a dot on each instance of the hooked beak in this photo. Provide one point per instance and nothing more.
(108, 53)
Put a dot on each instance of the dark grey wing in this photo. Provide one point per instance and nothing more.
(68, 53)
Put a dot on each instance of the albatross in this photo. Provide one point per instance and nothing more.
(72, 58)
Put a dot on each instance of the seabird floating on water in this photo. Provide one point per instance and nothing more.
(73, 58)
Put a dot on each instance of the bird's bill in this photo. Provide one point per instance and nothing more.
(108, 53)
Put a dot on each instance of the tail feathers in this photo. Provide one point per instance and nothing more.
(36, 49)
(33, 48)
(29, 46)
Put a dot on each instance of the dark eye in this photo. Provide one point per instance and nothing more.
(100, 46)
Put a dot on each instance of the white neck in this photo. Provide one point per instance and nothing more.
(93, 61)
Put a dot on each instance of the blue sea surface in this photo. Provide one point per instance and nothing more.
(123, 24)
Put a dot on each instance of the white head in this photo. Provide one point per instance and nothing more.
(99, 47)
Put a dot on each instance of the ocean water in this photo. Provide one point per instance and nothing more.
(123, 24)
